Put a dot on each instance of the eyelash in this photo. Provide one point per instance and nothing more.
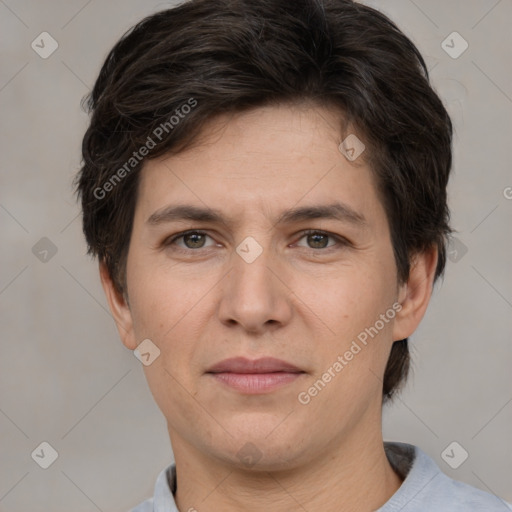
(341, 242)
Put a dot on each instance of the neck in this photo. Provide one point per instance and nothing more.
(352, 474)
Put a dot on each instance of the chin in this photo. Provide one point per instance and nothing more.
(265, 452)
(256, 458)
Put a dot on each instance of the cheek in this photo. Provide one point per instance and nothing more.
(163, 299)
(345, 304)
(350, 306)
(172, 310)
(176, 397)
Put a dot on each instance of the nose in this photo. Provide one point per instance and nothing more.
(254, 295)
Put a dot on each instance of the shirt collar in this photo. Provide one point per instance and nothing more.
(165, 487)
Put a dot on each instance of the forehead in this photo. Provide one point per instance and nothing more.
(277, 132)
(261, 160)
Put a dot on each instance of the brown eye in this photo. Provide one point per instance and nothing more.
(194, 240)
(189, 240)
(320, 240)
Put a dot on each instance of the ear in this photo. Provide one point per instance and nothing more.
(119, 308)
(414, 295)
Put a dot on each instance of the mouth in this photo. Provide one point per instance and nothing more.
(257, 376)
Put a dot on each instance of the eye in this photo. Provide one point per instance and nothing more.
(190, 239)
(320, 239)
(194, 240)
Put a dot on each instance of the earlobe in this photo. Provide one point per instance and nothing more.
(119, 308)
(414, 296)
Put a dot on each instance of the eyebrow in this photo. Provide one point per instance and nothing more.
(337, 211)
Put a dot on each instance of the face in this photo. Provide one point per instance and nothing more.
(264, 241)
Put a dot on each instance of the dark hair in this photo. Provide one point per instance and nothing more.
(219, 56)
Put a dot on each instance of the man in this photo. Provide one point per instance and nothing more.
(264, 184)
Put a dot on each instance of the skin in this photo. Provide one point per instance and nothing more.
(304, 299)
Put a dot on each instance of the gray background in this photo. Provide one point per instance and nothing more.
(65, 376)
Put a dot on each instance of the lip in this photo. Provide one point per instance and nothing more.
(253, 366)
(256, 376)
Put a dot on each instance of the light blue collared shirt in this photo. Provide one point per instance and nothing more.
(425, 488)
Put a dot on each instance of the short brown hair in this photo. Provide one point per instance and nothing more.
(233, 55)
